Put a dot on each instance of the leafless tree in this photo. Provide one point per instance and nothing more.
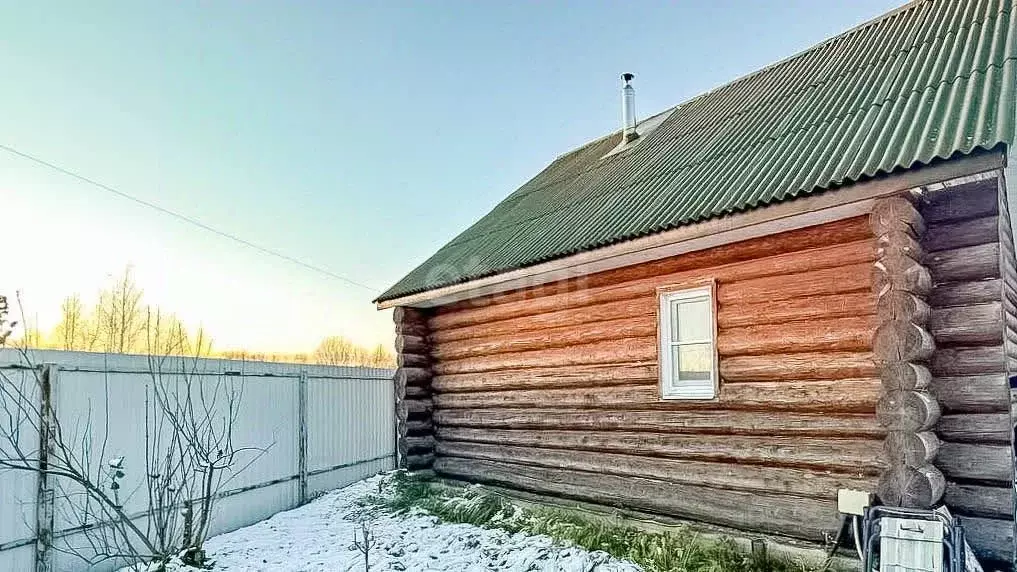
(120, 315)
(364, 543)
(189, 456)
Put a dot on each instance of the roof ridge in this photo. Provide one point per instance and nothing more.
(520, 193)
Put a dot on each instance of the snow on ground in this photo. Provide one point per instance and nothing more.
(319, 537)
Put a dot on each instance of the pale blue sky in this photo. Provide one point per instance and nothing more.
(356, 136)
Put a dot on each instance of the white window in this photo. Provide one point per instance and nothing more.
(688, 356)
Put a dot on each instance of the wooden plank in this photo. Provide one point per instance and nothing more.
(973, 393)
(963, 264)
(828, 235)
(950, 362)
(736, 314)
(694, 422)
(970, 200)
(551, 337)
(835, 335)
(801, 263)
(976, 500)
(800, 366)
(966, 293)
(991, 539)
(976, 428)
(612, 351)
(959, 234)
(858, 455)
(813, 484)
(975, 324)
(837, 396)
(549, 377)
(971, 462)
(776, 514)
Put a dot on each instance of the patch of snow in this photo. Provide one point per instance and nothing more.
(320, 537)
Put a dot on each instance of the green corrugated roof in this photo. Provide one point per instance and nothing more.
(932, 79)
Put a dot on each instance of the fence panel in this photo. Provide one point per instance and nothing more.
(105, 406)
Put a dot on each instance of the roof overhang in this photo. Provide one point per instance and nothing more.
(844, 202)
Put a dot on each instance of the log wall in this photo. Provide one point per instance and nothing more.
(554, 389)
(414, 427)
(969, 252)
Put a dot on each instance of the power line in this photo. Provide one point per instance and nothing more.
(184, 218)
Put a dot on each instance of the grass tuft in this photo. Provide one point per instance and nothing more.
(679, 550)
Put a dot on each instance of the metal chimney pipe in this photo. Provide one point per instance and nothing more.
(628, 109)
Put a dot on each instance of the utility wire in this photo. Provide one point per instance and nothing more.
(184, 218)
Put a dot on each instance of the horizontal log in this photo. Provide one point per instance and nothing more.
(419, 427)
(418, 445)
(406, 315)
(970, 200)
(826, 281)
(735, 314)
(990, 539)
(407, 343)
(977, 324)
(972, 462)
(837, 334)
(897, 272)
(694, 422)
(910, 487)
(560, 337)
(804, 263)
(966, 293)
(904, 306)
(909, 448)
(414, 392)
(896, 213)
(907, 411)
(983, 428)
(801, 366)
(854, 455)
(644, 306)
(901, 341)
(549, 377)
(412, 360)
(418, 406)
(960, 234)
(973, 393)
(417, 376)
(826, 237)
(612, 351)
(838, 396)
(412, 328)
(950, 362)
(813, 484)
(776, 514)
(899, 243)
(419, 462)
(963, 264)
(976, 500)
(905, 376)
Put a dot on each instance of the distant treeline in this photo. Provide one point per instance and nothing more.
(121, 322)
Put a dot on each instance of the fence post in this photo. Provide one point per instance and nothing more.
(302, 436)
(44, 492)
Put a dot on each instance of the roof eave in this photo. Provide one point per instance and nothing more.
(850, 200)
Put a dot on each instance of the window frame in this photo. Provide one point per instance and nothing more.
(665, 297)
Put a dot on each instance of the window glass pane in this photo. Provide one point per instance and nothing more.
(691, 320)
(692, 361)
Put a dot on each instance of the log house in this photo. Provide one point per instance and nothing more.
(741, 310)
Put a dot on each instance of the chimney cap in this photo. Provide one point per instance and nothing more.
(627, 77)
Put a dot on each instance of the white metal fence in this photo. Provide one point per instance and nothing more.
(323, 427)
